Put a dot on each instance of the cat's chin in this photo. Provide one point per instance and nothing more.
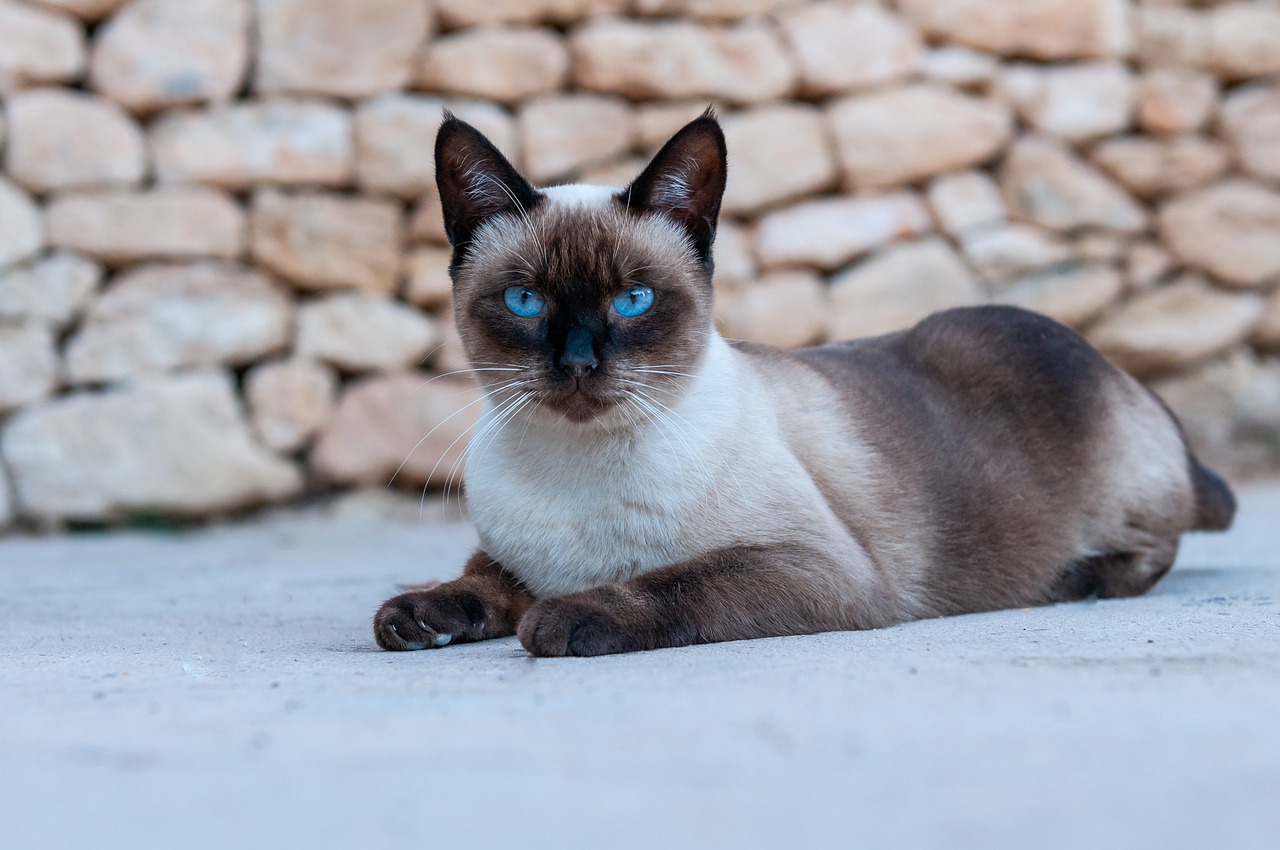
(586, 410)
(581, 409)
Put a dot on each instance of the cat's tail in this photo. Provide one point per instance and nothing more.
(1215, 503)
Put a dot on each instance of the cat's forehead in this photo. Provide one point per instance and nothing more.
(582, 235)
(580, 196)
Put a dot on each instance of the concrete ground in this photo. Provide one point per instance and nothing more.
(221, 689)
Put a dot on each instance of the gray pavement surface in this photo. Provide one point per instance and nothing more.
(221, 689)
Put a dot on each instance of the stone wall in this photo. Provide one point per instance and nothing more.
(223, 274)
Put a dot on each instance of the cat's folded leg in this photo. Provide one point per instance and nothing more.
(486, 602)
(732, 594)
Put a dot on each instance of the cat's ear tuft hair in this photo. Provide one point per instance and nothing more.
(476, 182)
(685, 182)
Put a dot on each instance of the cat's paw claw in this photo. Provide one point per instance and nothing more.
(423, 619)
(554, 628)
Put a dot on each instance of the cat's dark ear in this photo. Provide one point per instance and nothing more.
(685, 182)
(476, 181)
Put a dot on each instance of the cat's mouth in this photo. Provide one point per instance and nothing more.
(583, 400)
(579, 401)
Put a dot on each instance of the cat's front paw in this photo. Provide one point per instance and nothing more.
(428, 619)
(561, 626)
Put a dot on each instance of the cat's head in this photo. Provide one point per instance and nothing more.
(590, 303)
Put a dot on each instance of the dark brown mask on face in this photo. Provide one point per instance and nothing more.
(584, 301)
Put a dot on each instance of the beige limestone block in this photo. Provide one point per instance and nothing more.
(619, 172)
(426, 224)
(1074, 296)
(407, 429)
(28, 364)
(734, 255)
(357, 332)
(744, 63)
(21, 225)
(157, 318)
(1009, 251)
(1176, 325)
(562, 134)
(178, 445)
(1267, 334)
(1046, 183)
(118, 228)
(1039, 29)
(830, 232)
(340, 48)
(451, 356)
(897, 288)
(395, 139)
(778, 153)
(274, 142)
(1230, 411)
(1230, 230)
(1170, 37)
(155, 54)
(38, 46)
(1150, 167)
(60, 139)
(1099, 246)
(1244, 40)
(395, 143)
(495, 63)
(459, 14)
(289, 401)
(1175, 100)
(959, 66)
(53, 289)
(965, 202)
(87, 10)
(1146, 264)
(786, 309)
(1073, 102)
(429, 284)
(660, 120)
(1250, 122)
(841, 47)
(901, 136)
(721, 11)
(320, 241)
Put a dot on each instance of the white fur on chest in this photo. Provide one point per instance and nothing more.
(564, 508)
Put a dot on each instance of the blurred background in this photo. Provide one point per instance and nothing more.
(223, 276)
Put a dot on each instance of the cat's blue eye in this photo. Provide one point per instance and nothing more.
(633, 302)
(523, 301)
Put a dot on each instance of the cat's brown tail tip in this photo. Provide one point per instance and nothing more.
(1215, 503)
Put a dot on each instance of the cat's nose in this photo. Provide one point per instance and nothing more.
(578, 360)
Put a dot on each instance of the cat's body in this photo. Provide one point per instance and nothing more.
(696, 491)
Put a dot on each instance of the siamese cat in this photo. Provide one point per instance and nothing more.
(637, 482)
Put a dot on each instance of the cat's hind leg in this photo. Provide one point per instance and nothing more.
(486, 602)
(1134, 573)
(1115, 574)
